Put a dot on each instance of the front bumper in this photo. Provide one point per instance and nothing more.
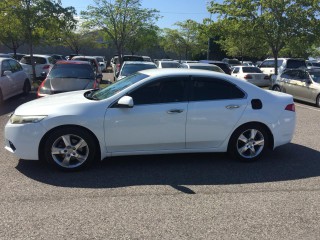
(23, 139)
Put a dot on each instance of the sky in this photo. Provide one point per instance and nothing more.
(172, 11)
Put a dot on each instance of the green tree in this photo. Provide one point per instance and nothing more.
(40, 20)
(279, 21)
(121, 20)
(173, 42)
(12, 32)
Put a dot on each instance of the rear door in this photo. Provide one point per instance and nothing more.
(215, 107)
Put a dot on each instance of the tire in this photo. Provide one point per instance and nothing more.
(1, 97)
(276, 88)
(26, 87)
(69, 149)
(248, 143)
(318, 101)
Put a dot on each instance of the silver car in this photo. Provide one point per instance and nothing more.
(13, 79)
(302, 84)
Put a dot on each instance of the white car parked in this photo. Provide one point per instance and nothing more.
(43, 63)
(251, 74)
(13, 79)
(153, 112)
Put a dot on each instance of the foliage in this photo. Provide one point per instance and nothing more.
(121, 20)
(276, 22)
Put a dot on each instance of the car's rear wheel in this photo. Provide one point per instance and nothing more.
(26, 87)
(248, 142)
(276, 88)
(70, 148)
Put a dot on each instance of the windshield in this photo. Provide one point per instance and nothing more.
(132, 68)
(118, 86)
(315, 76)
(83, 71)
(251, 70)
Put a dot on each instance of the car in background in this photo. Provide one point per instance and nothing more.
(167, 64)
(203, 66)
(116, 63)
(66, 76)
(232, 62)
(18, 56)
(13, 79)
(247, 63)
(130, 67)
(102, 63)
(251, 74)
(312, 64)
(93, 62)
(224, 66)
(58, 57)
(302, 84)
(147, 58)
(5, 55)
(155, 111)
(43, 63)
(268, 65)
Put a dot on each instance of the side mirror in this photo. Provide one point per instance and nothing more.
(125, 102)
(308, 81)
(7, 73)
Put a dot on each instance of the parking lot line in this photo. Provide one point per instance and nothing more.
(306, 107)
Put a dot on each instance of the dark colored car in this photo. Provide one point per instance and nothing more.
(224, 66)
(66, 76)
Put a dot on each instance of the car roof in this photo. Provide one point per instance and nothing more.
(198, 64)
(212, 61)
(178, 71)
(6, 58)
(38, 55)
(72, 62)
(138, 62)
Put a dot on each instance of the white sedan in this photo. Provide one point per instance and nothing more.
(251, 74)
(13, 79)
(158, 111)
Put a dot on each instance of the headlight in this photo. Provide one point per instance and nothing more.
(16, 119)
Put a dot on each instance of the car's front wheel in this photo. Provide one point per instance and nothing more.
(248, 142)
(318, 101)
(70, 148)
(26, 87)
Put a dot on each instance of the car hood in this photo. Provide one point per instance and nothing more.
(55, 104)
(69, 84)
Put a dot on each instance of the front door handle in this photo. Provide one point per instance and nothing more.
(172, 111)
(232, 106)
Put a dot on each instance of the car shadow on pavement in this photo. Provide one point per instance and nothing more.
(289, 162)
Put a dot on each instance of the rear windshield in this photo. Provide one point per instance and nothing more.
(294, 63)
(170, 64)
(132, 58)
(251, 70)
(210, 68)
(83, 71)
(132, 68)
(100, 59)
(234, 62)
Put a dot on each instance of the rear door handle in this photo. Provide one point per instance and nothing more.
(232, 106)
(173, 111)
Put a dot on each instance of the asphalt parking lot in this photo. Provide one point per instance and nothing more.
(181, 196)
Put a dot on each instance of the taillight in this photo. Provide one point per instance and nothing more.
(247, 76)
(43, 90)
(46, 67)
(291, 107)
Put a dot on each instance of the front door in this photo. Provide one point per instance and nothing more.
(155, 123)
